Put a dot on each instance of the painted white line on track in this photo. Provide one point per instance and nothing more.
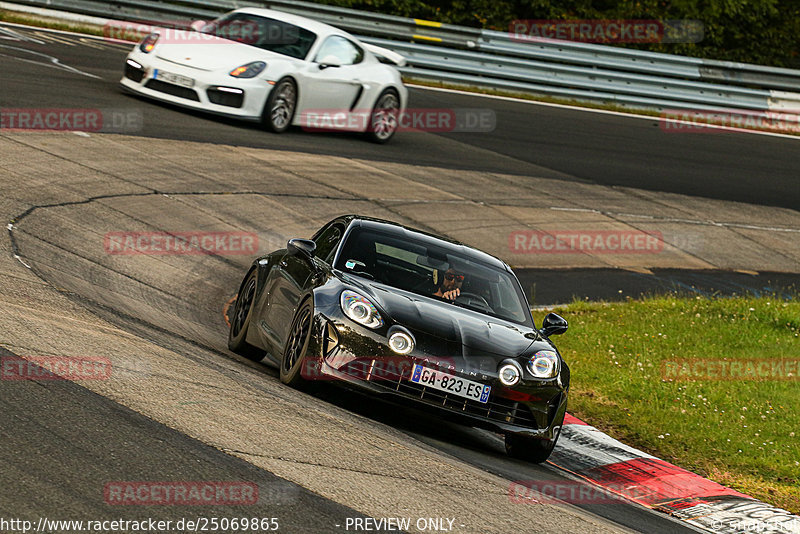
(19, 258)
(67, 32)
(52, 61)
(52, 13)
(10, 35)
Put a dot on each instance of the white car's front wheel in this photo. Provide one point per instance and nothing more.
(280, 107)
(385, 117)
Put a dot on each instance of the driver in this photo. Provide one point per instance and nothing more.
(450, 286)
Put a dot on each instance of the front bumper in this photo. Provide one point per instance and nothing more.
(532, 408)
(204, 95)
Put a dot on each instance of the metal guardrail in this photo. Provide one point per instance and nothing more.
(496, 69)
(495, 60)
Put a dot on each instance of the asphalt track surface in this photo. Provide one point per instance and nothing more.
(543, 141)
(551, 142)
(65, 451)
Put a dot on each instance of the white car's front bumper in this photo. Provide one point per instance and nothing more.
(200, 94)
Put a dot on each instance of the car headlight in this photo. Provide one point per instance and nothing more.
(360, 309)
(251, 70)
(400, 341)
(149, 43)
(509, 374)
(544, 364)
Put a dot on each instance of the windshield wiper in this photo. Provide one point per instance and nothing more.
(365, 274)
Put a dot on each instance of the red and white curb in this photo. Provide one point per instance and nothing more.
(634, 475)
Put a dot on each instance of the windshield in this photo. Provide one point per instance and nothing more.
(261, 32)
(419, 267)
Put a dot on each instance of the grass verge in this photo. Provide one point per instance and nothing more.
(48, 22)
(744, 434)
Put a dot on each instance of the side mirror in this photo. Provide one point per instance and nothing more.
(301, 247)
(197, 25)
(330, 61)
(553, 325)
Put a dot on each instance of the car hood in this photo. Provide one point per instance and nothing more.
(474, 331)
(208, 52)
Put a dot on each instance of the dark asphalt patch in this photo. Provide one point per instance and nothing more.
(63, 444)
(560, 286)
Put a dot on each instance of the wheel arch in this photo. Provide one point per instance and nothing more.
(389, 88)
(285, 76)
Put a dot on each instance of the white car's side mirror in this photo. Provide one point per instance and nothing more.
(198, 25)
(330, 61)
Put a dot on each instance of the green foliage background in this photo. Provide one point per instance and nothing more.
(753, 31)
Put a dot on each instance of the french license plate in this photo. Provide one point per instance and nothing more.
(454, 385)
(172, 78)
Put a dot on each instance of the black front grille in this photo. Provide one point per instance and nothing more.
(133, 73)
(225, 98)
(496, 409)
(172, 89)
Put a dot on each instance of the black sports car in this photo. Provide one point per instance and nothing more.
(411, 316)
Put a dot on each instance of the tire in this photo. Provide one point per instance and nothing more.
(384, 118)
(280, 106)
(530, 449)
(294, 353)
(240, 320)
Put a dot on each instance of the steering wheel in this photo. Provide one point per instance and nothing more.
(295, 51)
(474, 296)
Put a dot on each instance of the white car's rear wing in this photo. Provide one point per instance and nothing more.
(385, 53)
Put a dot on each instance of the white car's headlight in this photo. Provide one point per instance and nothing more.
(251, 70)
(544, 364)
(149, 43)
(360, 309)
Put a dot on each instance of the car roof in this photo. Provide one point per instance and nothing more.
(400, 230)
(320, 28)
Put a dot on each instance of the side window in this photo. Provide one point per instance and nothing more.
(345, 51)
(327, 241)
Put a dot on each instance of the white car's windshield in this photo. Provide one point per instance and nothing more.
(262, 32)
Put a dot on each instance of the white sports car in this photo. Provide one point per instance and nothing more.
(280, 69)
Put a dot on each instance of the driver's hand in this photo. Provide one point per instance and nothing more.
(452, 294)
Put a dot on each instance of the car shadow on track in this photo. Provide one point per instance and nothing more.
(246, 125)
